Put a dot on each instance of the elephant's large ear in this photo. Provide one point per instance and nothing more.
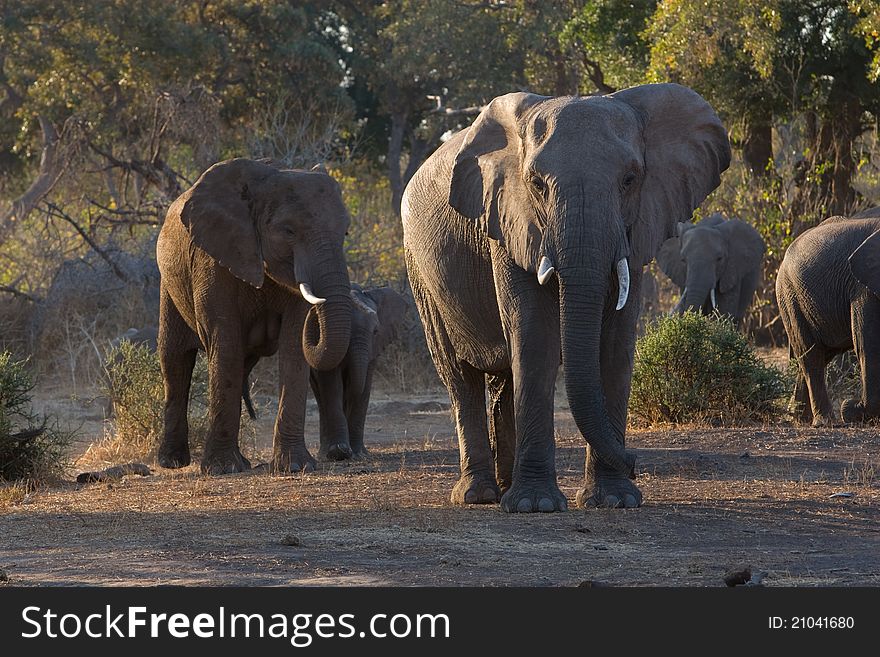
(670, 262)
(865, 263)
(217, 212)
(391, 308)
(488, 183)
(686, 150)
(745, 251)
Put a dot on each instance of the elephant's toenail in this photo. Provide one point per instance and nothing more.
(545, 505)
(612, 501)
(524, 506)
(630, 501)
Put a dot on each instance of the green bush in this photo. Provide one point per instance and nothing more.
(692, 368)
(135, 387)
(31, 446)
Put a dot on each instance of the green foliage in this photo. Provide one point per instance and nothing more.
(606, 35)
(135, 386)
(374, 245)
(692, 368)
(31, 447)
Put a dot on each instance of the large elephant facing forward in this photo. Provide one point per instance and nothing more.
(716, 264)
(525, 236)
(251, 263)
(828, 290)
(343, 393)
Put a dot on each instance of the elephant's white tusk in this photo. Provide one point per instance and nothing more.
(306, 290)
(360, 304)
(712, 299)
(623, 282)
(545, 270)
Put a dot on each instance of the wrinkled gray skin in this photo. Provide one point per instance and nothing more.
(719, 255)
(583, 182)
(233, 252)
(343, 393)
(828, 290)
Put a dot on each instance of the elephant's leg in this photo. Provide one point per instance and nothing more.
(467, 394)
(356, 413)
(328, 390)
(290, 453)
(178, 348)
(866, 342)
(604, 486)
(748, 287)
(813, 365)
(530, 317)
(502, 432)
(728, 303)
(225, 375)
(800, 401)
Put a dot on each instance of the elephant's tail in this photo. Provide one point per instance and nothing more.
(246, 396)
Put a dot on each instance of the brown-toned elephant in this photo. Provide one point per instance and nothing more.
(716, 264)
(343, 393)
(251, 263)
(828, 290)
(525, 236)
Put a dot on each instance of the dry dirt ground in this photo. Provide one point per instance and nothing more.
(715, 499)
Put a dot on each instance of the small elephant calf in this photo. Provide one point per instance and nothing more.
(343, 393)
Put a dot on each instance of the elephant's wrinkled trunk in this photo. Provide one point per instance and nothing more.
(583, 288)
(697, 296)
(327, 328)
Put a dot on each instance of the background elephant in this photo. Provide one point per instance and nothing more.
(716, 264)
(251, 263)
(828, 290)
(524, 236)
(343, 393)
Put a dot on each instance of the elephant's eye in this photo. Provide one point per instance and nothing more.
(628, 180)
(538, 184)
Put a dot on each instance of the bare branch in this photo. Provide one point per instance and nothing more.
(460, 111)
(156, 172)
(54, 211)
(50, 172)
(18, 294)
(597, 77)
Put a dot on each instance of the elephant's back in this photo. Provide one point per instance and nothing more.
(814, 281)
(425, 199)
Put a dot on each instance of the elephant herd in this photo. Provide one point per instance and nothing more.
(525, 238)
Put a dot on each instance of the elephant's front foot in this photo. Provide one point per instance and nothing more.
(823, 420)
(296, 459)
(359, 452)
(174, 457)
(853, 410)
(477, 488)
(336, 452)
(610, 491)
(225, 461)
(534, 495)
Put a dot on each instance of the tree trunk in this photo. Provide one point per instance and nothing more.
(395, 150)
(757, 146)
(825, 188)
(49, 174)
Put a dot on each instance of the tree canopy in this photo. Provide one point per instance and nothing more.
(109, 108)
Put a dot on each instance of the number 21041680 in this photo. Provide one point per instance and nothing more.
(811, 622)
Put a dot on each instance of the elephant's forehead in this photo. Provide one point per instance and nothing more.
(698, 239)
(574, 115)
